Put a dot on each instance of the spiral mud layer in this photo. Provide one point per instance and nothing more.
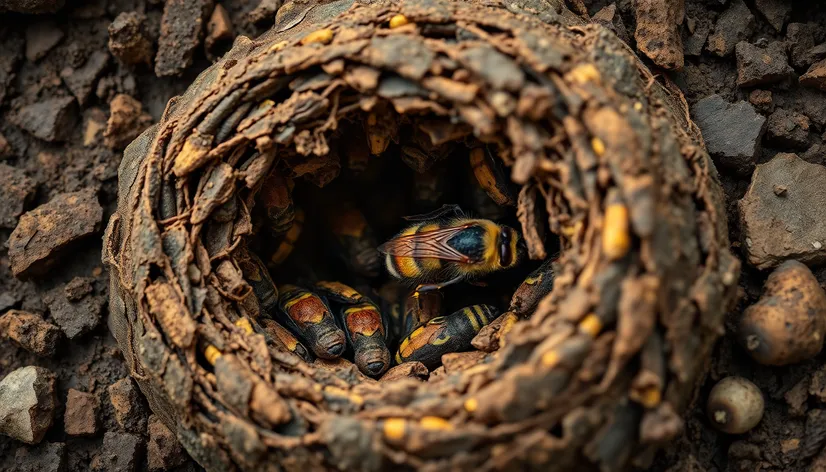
(596, 377)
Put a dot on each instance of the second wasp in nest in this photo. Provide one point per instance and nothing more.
(359, 278)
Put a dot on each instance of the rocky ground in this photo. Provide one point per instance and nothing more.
(77, 86)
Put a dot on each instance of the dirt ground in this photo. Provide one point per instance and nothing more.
(70, 101)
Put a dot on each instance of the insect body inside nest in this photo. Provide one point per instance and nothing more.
(438, 251)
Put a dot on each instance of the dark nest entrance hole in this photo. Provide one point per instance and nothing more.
(320, 218)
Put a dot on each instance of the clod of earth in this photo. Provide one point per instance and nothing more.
(733, 25)
(658, 32)
(81, 416)
(129, 39)
(47, 231)
(127, 120)
(17, 192)
(762, 66)
(30, 332)
(732, 131)
(45, 457)
(791, 225)
(50, 120)
(122, 452)
(128, 405)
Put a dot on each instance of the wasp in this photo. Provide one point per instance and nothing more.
(419, 308)
(285, 339)
(362, 323)
(444, 334)
(309, 316)
(491, 176)
(275, 197)
(355, 239)
(287, 244)
(439, 251)
(257, 275)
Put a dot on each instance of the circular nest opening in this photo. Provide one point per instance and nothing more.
(296, 155)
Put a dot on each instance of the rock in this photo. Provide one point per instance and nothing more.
(815, 77)
(30, 332)
(127, 120)
(81, 81)
(74, 318)
(611, 19)
(788, 128)
(121, 452)
(129, 39)
(27, 403)
(219, 31)
(658, 32)
(45, 457)
(41, 37)
(15, 193)
(800, 39)
(731, 131)
(762, 100)
(264, 12)
(45, 232)
(776, 12)
(733, 25)
(51, 120)
(81, 417)
(163, 452)
(129, 405)
(791, 225)
(78, 287)
(758, 66)
(181, 31)
(31, 6)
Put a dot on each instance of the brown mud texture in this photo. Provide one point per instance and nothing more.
(609, 371)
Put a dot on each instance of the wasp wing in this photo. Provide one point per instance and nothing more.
(431, 244)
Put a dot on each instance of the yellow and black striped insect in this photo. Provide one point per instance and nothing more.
(283, 338)
(309, 316)
(362, 323)
(287, 244)
(257, 275)
(419, 308)
(355, 239)
(276, 201)
(444, 334)
(439, 251)
(491, 176)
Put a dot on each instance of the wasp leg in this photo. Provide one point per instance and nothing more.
(430, 287)
(435, 214)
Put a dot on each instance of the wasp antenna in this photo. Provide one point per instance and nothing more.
(435, 214)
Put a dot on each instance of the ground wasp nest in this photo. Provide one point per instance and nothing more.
(473, 235)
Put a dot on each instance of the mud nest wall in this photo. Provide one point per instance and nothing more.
(596, 377)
